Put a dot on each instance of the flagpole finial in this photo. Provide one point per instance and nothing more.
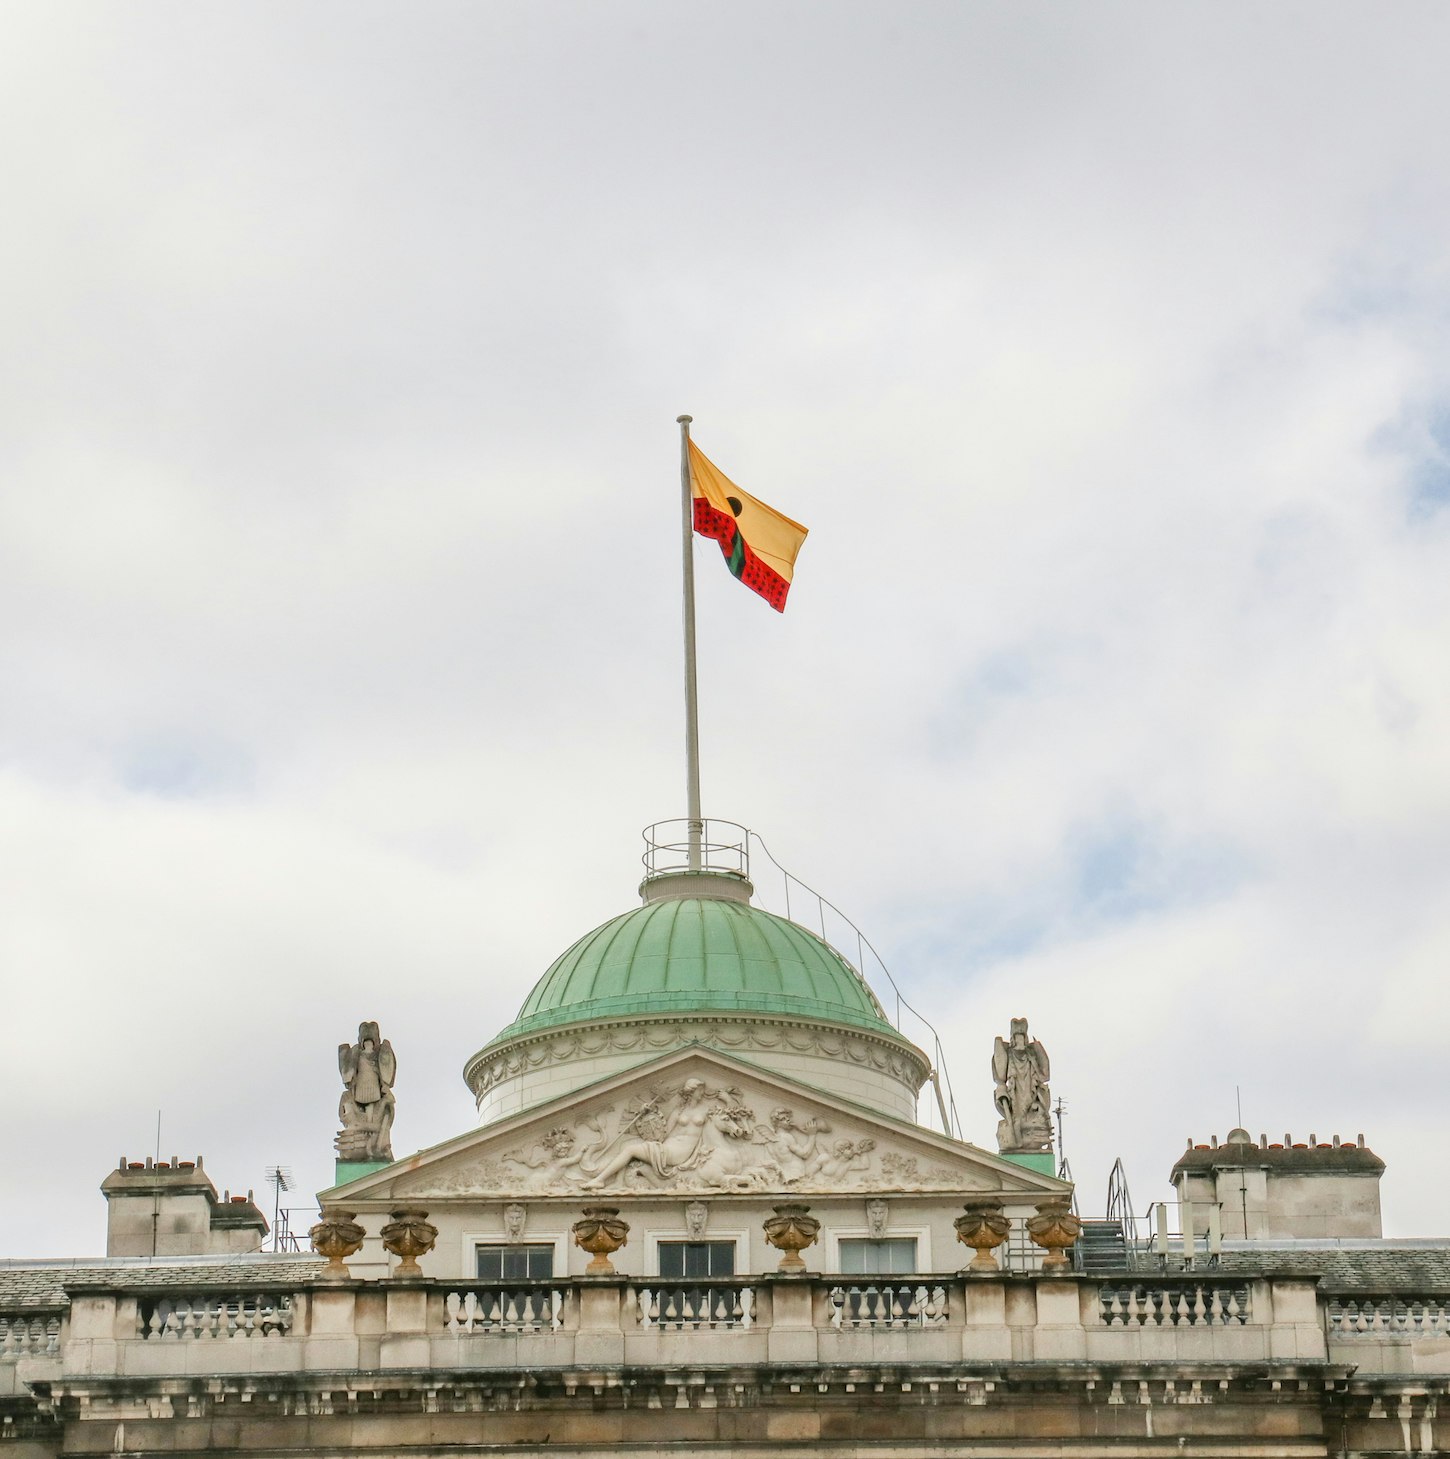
(683, 420)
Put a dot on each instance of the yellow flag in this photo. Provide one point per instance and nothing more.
(759, 543)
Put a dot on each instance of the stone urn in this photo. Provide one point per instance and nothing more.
(791, 1230)
(1055, 1229)
(601, 1233)
(409, 1235)
(335, 1236)
(983, 1228)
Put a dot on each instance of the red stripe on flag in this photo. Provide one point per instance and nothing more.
(722, 527)
(711, 522)
(764, 580)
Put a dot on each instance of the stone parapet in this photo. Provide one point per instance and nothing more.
(946, 1359)
(447, 1325)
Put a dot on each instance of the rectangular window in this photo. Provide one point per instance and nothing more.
(690, 1259)
(894, 1256)
(499, 1263)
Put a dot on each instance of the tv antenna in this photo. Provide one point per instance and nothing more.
(281, 1178)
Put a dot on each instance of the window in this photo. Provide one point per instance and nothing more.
(515, 1263)
(897, 1254)
(697, 1259)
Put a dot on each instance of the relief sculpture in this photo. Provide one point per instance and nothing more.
(688, 1137)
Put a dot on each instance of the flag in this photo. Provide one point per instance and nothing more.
(759, 543)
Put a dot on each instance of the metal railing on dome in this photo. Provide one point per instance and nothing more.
(725, 847)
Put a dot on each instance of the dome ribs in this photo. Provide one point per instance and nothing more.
(697, 956)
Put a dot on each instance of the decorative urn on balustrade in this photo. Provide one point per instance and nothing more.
(984, 1227)
(601, 1233)
(791, 1230)
(409, 1235)
(1055, 1228)
(335, 1236)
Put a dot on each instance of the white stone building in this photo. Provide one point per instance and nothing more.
(711, 1101)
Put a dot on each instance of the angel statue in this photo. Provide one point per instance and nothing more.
(1021, 1071)
(368, 1069)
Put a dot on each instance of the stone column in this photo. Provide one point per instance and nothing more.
(986, 1338)
(792, 1336)
(1059, 1336)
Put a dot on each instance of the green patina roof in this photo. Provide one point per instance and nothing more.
(698, 955)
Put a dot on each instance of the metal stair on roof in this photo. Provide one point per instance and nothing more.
(1102, 1247)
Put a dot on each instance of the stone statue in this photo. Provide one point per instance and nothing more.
(1021, 1072)
(366, 1109)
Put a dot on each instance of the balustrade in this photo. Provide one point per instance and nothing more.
(886, 1304)
(1040, 1312)
(212, 1317)
(505, 1309)
(1187, 1304)
(689, 1306)
(1377, 1316)
(34, 1336)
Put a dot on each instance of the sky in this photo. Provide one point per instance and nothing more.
(1102, 348)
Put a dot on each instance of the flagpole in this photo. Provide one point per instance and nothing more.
(692, 702)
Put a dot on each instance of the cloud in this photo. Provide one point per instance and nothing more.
(1103, 353)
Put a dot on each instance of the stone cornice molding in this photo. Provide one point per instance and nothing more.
(732, 1032)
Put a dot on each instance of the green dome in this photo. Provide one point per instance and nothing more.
(698, 955)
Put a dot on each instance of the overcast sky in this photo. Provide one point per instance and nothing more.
(1102, 348)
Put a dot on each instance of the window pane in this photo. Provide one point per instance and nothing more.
(692, 1260)
(899, 1254)
(878, 1258)
(515, 1263)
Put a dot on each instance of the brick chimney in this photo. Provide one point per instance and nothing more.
(1290, 1189)
(172, 1209)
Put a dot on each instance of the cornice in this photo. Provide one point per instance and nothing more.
(898, 1057)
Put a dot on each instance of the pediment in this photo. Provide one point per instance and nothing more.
(693, 1122)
